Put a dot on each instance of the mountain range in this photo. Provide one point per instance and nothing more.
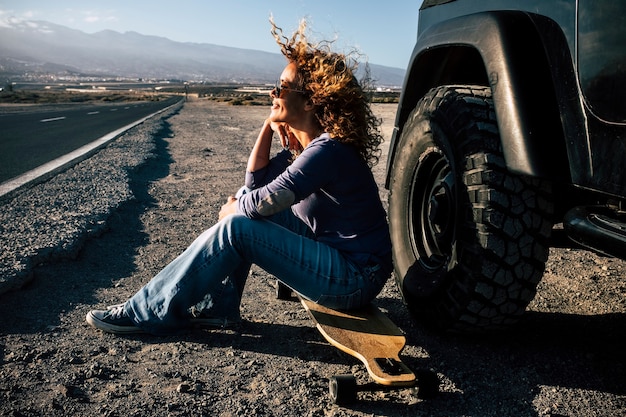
(44, 48)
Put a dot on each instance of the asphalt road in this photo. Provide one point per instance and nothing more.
(33, 137)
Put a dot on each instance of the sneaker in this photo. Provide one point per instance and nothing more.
(113, 320)
(210, 321)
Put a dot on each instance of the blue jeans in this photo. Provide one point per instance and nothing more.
(210, 275)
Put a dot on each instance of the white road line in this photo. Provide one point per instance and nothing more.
(93, 112)
(59, 164)
(52, 119)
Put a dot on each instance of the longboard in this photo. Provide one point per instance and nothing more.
(370, 336)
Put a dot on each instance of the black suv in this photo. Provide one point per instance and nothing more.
(512, 120)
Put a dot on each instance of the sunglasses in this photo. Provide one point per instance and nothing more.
(279, 88)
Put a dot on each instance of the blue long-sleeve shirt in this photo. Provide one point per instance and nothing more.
(331, 188)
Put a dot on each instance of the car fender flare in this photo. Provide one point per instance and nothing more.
(503, 50)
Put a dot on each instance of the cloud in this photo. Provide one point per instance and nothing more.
(9, 19)
(98, 16)
(22, 22)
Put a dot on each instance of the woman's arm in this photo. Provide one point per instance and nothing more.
(315, 167)
(260, 155)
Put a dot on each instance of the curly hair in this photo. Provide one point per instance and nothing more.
(342, 105)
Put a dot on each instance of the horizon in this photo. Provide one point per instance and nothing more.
(349, 27)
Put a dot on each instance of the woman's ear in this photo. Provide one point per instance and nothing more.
(308, 105)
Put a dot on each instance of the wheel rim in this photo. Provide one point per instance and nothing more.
(432, 213)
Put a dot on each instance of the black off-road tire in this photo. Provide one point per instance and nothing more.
(470, 238)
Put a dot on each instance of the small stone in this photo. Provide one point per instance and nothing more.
(183, 387)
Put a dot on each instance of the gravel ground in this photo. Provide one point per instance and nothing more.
(91, 236)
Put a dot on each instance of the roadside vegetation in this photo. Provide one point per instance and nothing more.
(234, 94)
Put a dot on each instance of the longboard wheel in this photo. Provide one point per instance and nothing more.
(283, 292)
(343, 389)
(427, 384)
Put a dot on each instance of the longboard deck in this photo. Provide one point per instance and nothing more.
(368, 335)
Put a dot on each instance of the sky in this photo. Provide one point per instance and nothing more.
(384, 31)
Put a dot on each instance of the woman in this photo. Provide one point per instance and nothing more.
(311, 216)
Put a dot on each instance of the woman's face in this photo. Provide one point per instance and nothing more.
(289, 107)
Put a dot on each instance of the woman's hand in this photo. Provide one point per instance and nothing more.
(229, 208)
(283, 132)
(287, 139)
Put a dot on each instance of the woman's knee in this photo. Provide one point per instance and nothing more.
(235, 220)
(234, 225)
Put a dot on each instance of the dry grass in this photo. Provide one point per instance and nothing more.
(219, 93)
